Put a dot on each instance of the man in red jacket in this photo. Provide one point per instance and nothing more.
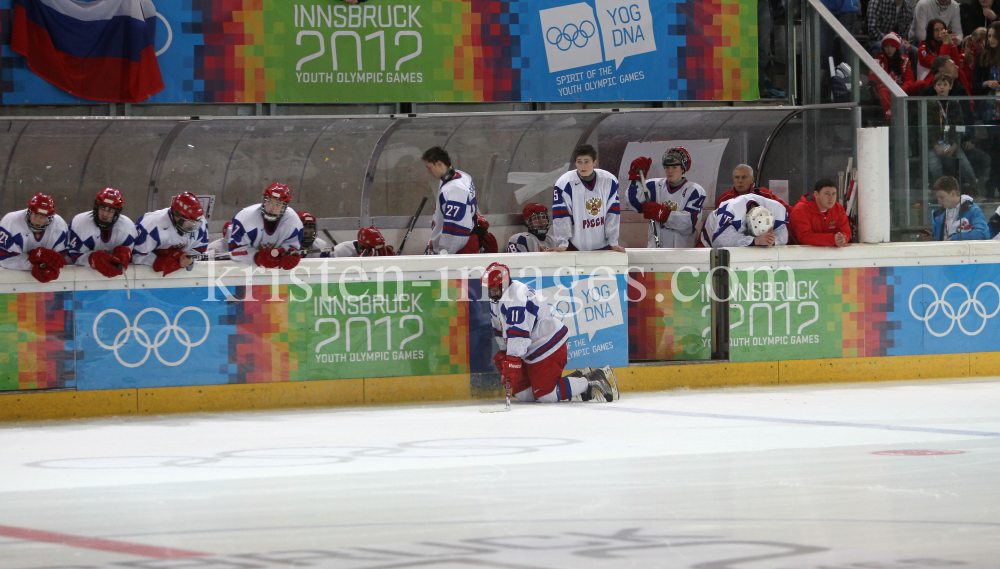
(743, 183)
(818, 219)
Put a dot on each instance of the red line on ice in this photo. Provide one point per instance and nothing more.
(96, 543)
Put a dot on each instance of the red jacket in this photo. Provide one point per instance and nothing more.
(810, 226)
(759, 191)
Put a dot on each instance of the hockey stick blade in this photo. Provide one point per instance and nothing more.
(499, 408)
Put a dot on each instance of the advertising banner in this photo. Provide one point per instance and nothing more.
(36, 341)
(277, 51)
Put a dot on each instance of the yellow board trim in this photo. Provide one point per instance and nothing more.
(423, 389)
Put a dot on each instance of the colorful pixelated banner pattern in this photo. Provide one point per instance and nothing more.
(36, 341)
(276, 51)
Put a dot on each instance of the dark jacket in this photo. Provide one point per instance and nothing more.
(967, 117)
(972, 16)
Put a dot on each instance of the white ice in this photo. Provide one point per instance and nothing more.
(747, 478)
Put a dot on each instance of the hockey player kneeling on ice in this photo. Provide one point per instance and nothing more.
(312, 246)
(746, 221)
(673, 202)
(102, 238)
(370, 243)
(537, 238)
(455, 211)
(586, 210)
(34, 239)
(168, 238)
(533, 346)
(268, 234)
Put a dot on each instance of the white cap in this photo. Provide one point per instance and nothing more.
(760, 220)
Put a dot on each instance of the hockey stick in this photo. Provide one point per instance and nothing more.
(413, 223)
(498, 409)
(652, 222)
(333, 242)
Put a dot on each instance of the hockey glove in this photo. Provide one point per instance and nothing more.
(166, 264)
(267, 258)
(640, 164)
(172, 253)
(44, 274)
(512, 369)
(488, 244)
(101, 261)
(498, 360)
(655, 211)
(122, 255)
(288, 262)
(48, 257)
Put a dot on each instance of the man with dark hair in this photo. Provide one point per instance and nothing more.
(959, 218)
(455, 213)
(585, 206)
(818, 219)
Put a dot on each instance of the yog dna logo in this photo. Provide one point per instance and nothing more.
(574, 34)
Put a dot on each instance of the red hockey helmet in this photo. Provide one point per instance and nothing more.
(536, 217)
(280, 196)
(186, 212)
(371, 242)
(308, 228)
(111, 198)
(496, 279)
(677, 156)
(41, 204)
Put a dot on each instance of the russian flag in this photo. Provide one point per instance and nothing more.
(101, 50)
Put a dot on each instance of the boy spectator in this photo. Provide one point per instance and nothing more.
(943, 116)
(585, 206)
(454, 221)
(743, 184)
(959, 218)
(819, 220)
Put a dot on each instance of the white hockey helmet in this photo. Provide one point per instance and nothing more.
(760, 220)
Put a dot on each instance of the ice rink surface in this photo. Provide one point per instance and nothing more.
(861, 476)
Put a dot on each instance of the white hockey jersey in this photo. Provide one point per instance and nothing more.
(315, 250)
(346, 249)
(155, 230)
(17, 240)
(527, 243)
(726, 226)
(85, 237)
(685, 203)
(524, 326)
(586, 215)
(455, 215)
(248, 233)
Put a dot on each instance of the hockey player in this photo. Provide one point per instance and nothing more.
(533, 346)
(102, 238)
(168, 238)
(585, 206)
(268, 234)
(369, 243)
(743, 184)
(673, 202)
(455, 214)
(537, 238)
(748, 220)
(34, 239)
(312, 246)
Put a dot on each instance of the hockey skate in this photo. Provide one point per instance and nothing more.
(601, 384)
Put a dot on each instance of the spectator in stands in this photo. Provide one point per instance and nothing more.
(943, 116)
(846, 12)
(743, 184)
(977, 14)
(939, 42)
(960, 219)
(897, 66)
(885, 16)
(927, 10)
(818, 219)
(986, 81)
(972, 46)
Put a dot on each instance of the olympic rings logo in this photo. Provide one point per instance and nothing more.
(564, 38)
(972, 302)
(159, 340)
